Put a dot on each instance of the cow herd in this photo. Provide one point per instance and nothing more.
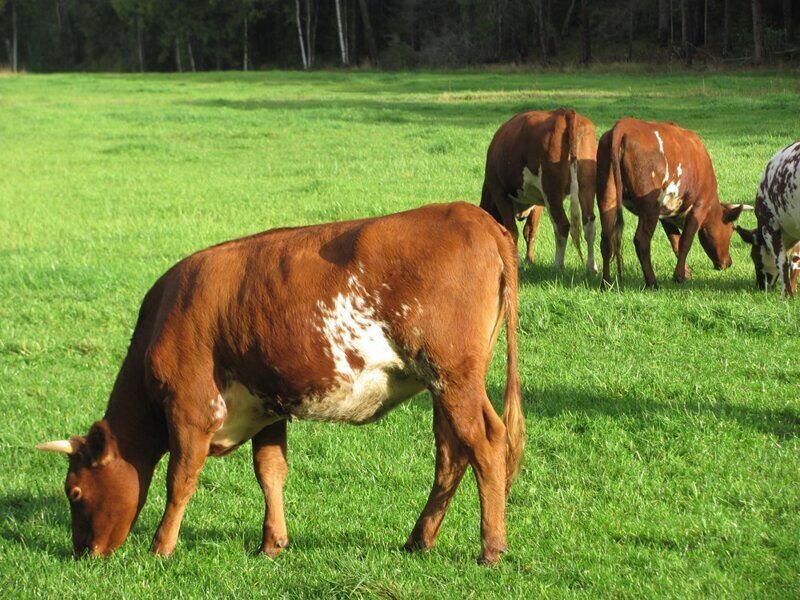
(331, 323)
(659, 171)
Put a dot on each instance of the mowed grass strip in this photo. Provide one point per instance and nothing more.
(662, 455)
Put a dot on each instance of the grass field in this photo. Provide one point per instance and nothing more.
(663, 454)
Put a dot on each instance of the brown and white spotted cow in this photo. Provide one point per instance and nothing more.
(323, 322)
(660, 172)
(776, 239)
(536, 159)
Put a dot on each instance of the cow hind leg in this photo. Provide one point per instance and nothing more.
(555, 208)
(269, 462)
(483, 436)
(451, 463)
(188, 449)
(642, 240)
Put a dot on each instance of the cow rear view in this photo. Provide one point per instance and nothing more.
(327, 323)
(535, 160)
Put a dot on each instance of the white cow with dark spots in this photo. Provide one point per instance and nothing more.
(776, 240)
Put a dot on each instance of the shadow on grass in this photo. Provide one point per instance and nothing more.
(24, 513)
(550, 403)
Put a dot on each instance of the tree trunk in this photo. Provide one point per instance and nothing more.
(14, 41)
(542, 30)
(758, 32)
(630, 31)
(787, 21)
(586, 39)
(65, 34)
(140, 44)
(178, 62)
(300, 35)
(309, 49)
(663, 22)
(190, 54)
(342, 43)
(245, 58)
(726, 28)
(671, 25)
(687, 53)
(705, 23)
(565, 26)
(368, 32)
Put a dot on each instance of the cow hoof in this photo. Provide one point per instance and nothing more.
(685, 276)
(417, 545)
(490, 558)
(273, 548)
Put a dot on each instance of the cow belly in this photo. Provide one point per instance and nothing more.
(369, 395)
(240, 416)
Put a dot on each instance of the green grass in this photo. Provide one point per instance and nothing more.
(662, 455)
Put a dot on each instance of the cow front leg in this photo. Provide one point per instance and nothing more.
(674, 236)
(642, 241)
(530, 229)
(188, 449)
(269, 462)
(690, 227)
(483, 436)
(451, 463)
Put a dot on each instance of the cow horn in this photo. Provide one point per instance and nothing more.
(66, 446)
(747, 207)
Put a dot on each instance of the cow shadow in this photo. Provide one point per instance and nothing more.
(24, 512)
(554, 402)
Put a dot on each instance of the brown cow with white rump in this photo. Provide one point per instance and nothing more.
(660, 172)
(323, 322)
(536, 159)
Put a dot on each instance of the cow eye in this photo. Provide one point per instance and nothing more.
(74, 494)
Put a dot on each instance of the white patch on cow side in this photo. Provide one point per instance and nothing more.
(370, 377)
(669, 198)
(529, 195)
(660, 142)
(242, 414)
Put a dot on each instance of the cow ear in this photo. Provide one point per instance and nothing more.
(748, 235)
(100, 443)
(731, 212)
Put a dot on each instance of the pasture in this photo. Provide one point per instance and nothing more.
(663, 450)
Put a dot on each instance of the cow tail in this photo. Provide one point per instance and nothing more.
(616, 234)
(574, 197)
(513, 418)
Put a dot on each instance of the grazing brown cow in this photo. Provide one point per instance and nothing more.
(536, 159)
(324, 322)
(660, 172)
(776, 239)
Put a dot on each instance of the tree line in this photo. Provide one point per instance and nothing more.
(194, 35)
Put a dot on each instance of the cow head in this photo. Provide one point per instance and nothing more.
(103, 489)
(715, 235)
(766, 271)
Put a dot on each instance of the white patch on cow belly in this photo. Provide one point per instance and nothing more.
(529, 195)
(243, 415)
(359, 393)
